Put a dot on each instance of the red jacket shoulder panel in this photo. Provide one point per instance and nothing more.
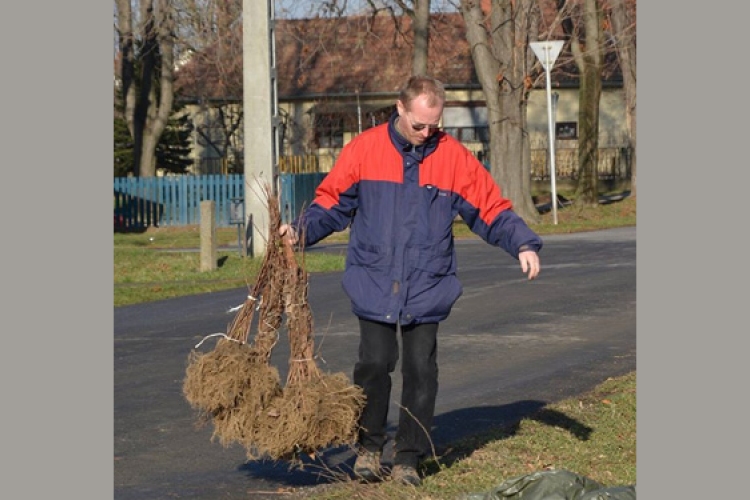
(453, 168)
(369, 156)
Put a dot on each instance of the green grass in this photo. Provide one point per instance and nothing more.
(156, 264)
(593, 435)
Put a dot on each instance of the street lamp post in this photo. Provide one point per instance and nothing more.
(553, 131)
(547, 52)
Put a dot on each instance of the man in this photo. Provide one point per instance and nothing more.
(400, 186)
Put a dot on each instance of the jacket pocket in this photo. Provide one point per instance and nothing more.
(432, 295)
(433, 285)
(367, 280)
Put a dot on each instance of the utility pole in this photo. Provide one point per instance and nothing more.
(261, 117)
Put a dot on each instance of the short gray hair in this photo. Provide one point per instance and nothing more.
(421, 84)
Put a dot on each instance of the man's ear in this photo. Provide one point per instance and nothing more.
(400, 107)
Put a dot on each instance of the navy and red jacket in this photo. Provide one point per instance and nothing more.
(401, 201)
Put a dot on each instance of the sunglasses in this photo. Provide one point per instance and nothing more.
(418, 127)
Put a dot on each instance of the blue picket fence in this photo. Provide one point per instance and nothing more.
(296, 191)
(140, 202)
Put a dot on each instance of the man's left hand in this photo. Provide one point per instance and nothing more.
(529, 263)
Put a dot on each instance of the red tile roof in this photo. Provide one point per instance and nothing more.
(369, 54)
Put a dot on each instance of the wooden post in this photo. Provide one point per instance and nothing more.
(209, 260)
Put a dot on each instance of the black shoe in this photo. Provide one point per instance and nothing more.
(406, 474)
(367, 466)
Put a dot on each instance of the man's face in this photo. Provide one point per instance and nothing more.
(420, 121)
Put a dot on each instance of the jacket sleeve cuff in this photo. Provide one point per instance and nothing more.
(529, 247)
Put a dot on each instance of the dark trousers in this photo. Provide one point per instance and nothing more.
(378, 354)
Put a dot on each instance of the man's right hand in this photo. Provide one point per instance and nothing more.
(288, 234)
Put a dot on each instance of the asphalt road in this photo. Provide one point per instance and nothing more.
(509, 347)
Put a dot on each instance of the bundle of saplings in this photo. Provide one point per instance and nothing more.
(235, 387)
(232, 384)
(315, 409)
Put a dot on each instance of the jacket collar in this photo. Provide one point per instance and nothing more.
(407, 149)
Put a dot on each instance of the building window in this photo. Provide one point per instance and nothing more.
(566, 130)
(469, 134)
(335, 121)
(329, 130)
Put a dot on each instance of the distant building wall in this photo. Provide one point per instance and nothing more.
(464, 117)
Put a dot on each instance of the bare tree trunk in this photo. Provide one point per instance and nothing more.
(147, 59)
(159, 107)
(127, 59)
(587, 190)
(148, 94)
(419, 13)
(421, 29)
(623, 27)
(588, 55)
(501, 58)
